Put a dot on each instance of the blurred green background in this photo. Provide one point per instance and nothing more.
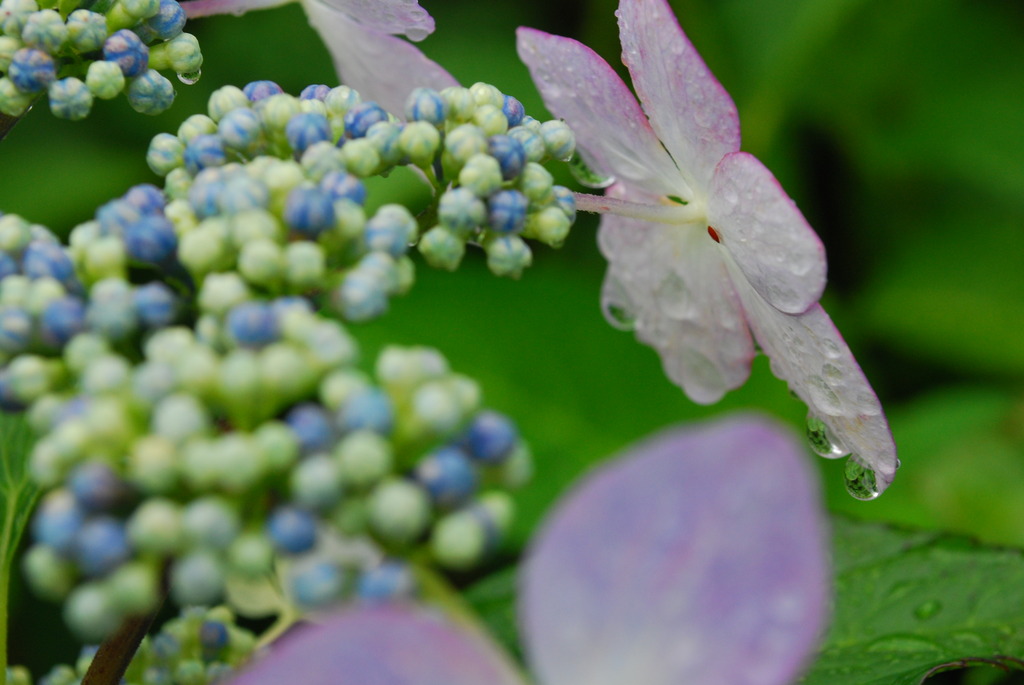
(896, 126)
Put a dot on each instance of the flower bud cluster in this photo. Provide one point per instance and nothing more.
(76, 54)
(199, 646)
(294, 169)
(227, 436)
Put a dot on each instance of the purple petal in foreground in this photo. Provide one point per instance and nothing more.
(691, 111)
(578, 86)
(761, 227)
(697, 557)
(381, 646)
(382, 68)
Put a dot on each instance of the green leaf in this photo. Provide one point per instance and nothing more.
(912, 603)
(494, 600)
(17, 496)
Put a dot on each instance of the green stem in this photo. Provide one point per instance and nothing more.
(5, 585)
(7, 122)
(285, 620)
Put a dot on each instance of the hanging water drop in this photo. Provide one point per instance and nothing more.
(191, 77)
(860, 480)
(821, 439)
(619, 317)
(587, 176)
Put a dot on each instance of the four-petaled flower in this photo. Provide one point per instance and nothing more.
(698, 557)
(360, 35)
(704, 247)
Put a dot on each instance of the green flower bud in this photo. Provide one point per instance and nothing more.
(156, 527)
(536, 183)
(180, 417)
(458, 541)
(205, 249)
(321, 158)
(262, 263)
(399, 511)
(461, 103)
(196, 125)
(361, 157)
(105, 258)
(481, 175)
(442, 248)
(224, 100)
(90, 611)
(177, 183)
(134, 588)
(8, 46)
(12, 101)
(108, 374)
(42, 292)
(486, 94)
(49, 575)
(306, 265)
(251, 555)
(558, 139)
(153, 464)
(507, 255)
(86, 30)
(463, 142)
(181, 53)
(105, 80)
(45, 30)
(276, 111)
(278, 445)
(550, 226)
(364, 458)
(338, 386)
(420, 141)
(285, 373)
(491, 120)
(252, 225)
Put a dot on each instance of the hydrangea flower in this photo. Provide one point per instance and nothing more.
(707, 254)
(655, 569)
(360, 35)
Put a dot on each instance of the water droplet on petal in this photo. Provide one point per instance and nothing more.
(928, 609)
(587, 176)
(619, 317)
(860, 480)
(822, 442)
(190, 78)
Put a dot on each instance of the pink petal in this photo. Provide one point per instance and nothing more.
(690, 110)
(382, 68)
(580, 87)
(672, 280)
(808, 353)
(699, 556)
(381, 646)
(777, 250)
(388, 16)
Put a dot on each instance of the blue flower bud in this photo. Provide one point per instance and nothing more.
(127, 51)
(213, 637)
(368, 409)
(15, 330)
(42, 259)
(316, 584)
(8, 266)
(513, 111)
(105, 80)
(45, 30)
(151, 239)
(150, 93)
(61, 320)
(204, 195)
(507, 211)
(461, 211)
(115, 216)
(305, 129)
(210, 522)
(156, 304)
(224, 100)
(566, 201)
(309, 210)
(391, 230)
(146, 197)
(361, 117)
(312, 427)
(448, 476)
(242, 193)
(317, 91)
(168, 21)
(86, 30)
(425, 104)
(510, 155)
(96, 486)
(32, 70)
(101, 546)
(387, 582)
(241, 130)
(252, 324)
(111, 309)
(340, 185)
(57, 521)
(360, 296)
(291, 530)
(384, 136)
(202, 152)
(490, 437)
(259, 90)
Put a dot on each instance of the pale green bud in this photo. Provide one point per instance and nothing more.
(181, 53)
(206, 248)
(364, 458)
(481, 175)
(321, 158)
(537, 183)
(442, 248)
(12, 101)
(252, 225)
(177, 183)
(490, 119)
(82, 349)
(50, 576)
(558, 139)
(361, 157)
(262, 262)
(306, 265)
(224, 100)
(8, 46)
(154, 464)
(42, 292)
(105, 258)
(134, 588)
(278, 445)
(507, 255)
(463, 142)
(420, 141)
(399, 511)
(337, 387)
(285, 373)
(108, 374)
(104, 80)
(196, 125)
(180, 417)
(458, 540)
(486, 94)
(461, 103)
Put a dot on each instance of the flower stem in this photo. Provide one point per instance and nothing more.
(667, 213)
(7, 122)
(285, 620)
(116, 652)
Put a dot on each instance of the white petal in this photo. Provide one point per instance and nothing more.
(777, 250)
(809, 354)
(580, 87)
(690, 110)
(672, 281)
(699, 557)
(388, 16)
(382, 68)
